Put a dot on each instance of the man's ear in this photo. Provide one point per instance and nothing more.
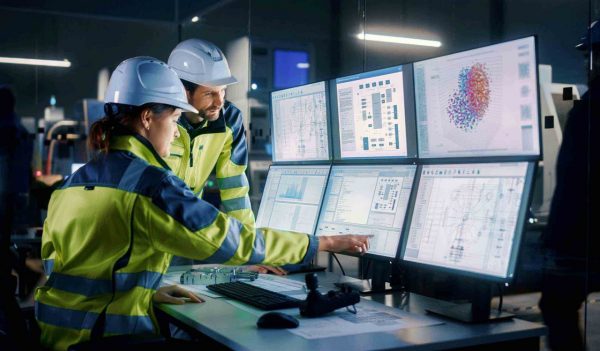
(189, 95)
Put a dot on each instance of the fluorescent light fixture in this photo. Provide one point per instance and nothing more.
(35, 62)
(302, 65)
(195, 19)
(398, 40)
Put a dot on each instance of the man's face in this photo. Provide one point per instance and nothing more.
(209, 102)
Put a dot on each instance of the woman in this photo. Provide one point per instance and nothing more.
(114, 225)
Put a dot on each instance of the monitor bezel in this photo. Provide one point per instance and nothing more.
(404, 222)
(492, 158)
(328, 121)
(329, 166)
(517, 239)
(409, 119)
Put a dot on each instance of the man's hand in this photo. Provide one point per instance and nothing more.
(345, 243)
(266, 269)
(175, 295)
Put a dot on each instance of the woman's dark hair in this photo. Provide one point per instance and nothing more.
(119, 116)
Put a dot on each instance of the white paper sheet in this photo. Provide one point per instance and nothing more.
(370, 318)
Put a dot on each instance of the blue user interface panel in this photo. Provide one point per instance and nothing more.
(299, 123)
(374, 115)
(368, 199)
(479, 103)
(292, 198)
(469, 217)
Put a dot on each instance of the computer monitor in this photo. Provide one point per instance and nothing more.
(468, 218)
(479, 103)
(373, 114)
(299, 123)
(368, 199)
(292, 198)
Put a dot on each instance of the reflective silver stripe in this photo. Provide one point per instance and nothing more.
(48, 266)
(258, 249)
(93, 287)
(79, 285)
(313, 248)
(75, 319)
(145, 279)
(229, 246)
(64, 317)
(239, 203)
(233, 182)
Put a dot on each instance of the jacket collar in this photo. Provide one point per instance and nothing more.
(138, 146)
(217, 126)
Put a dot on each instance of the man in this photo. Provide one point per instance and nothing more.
(214, 138)
(571, 269)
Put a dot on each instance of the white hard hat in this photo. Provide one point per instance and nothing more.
(141, 80)
(201, 62)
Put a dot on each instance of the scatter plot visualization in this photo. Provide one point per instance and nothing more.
(470, 101)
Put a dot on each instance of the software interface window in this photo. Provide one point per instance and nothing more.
(371, 114)
(300, 124)
(481, 102)
(292, 198)
(465, 216)
(368, 200)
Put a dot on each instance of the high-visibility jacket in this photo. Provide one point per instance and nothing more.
(111, 230)
(219, 145)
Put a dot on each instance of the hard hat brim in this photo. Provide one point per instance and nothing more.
(184, 106)
(218, 82)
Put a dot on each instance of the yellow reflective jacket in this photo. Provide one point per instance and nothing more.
(111, 231)
(219, 145)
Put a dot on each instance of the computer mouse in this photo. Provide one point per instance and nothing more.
(277, 320)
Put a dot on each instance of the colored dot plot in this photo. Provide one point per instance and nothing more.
(469, 102)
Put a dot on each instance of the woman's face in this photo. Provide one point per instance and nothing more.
(162, 130)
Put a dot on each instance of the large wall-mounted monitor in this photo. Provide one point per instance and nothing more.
(300, 123)
(368, 199)
(373, 115)
(292, 198)
(468, 218)
(479, 103)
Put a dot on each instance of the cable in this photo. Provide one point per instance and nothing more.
(501, 297)
(338, 261)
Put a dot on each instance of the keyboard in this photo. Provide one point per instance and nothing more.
(255, 296)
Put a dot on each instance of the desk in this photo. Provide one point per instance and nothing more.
(235, 328)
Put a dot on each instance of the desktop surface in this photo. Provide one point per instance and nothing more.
(234, 326)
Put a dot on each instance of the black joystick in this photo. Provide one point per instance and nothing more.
(317, 304)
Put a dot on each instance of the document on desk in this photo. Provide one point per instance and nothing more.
(370, 318)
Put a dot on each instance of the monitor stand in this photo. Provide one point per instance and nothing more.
(379, 283)
(477, 311)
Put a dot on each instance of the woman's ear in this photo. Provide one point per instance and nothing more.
(146, 118)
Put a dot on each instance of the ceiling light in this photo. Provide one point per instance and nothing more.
(398, 40)
(195, 19)
(36, 62)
